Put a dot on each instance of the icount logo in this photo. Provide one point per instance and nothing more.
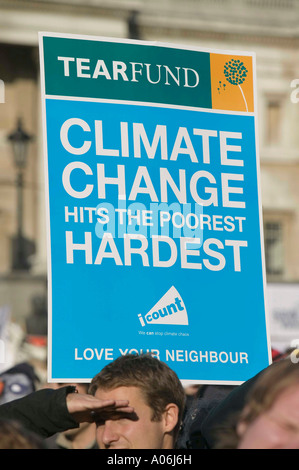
(169, 310)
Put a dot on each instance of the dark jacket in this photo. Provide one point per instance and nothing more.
(43, 412)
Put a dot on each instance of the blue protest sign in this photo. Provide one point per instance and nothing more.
(154, 212)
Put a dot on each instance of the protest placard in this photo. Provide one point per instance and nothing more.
(153, 208)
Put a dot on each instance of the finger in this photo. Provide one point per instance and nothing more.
(122, 403)
(109, 404)
(110, 411)
(124, 409)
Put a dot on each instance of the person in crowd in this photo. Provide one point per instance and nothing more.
(218, 420)
(14, 436)
(48, 411)
(270, 416)
(136, 402)
(155, 393)
(206, 398)
(17, 382)
(82, 437)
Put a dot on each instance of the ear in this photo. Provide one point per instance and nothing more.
(242, 424)
(241, 428)
(170, 417)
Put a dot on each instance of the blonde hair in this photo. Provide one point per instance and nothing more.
(274, 380)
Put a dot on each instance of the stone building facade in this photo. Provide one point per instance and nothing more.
(267, 27)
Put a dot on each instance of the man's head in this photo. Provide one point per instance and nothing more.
(271, 417)
(155, 393)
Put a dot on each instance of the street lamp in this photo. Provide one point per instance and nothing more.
(19, 140)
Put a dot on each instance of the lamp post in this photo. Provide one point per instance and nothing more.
(19, 140)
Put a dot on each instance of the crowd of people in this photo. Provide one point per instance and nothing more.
(138, 402)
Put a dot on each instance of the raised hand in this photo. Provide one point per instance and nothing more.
(87, 408)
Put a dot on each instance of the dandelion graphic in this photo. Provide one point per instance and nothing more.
(222, 86)
(236, 73)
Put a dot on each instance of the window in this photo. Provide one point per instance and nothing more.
(273, 234)
(273, 121)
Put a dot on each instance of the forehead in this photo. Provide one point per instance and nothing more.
(289, 398)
